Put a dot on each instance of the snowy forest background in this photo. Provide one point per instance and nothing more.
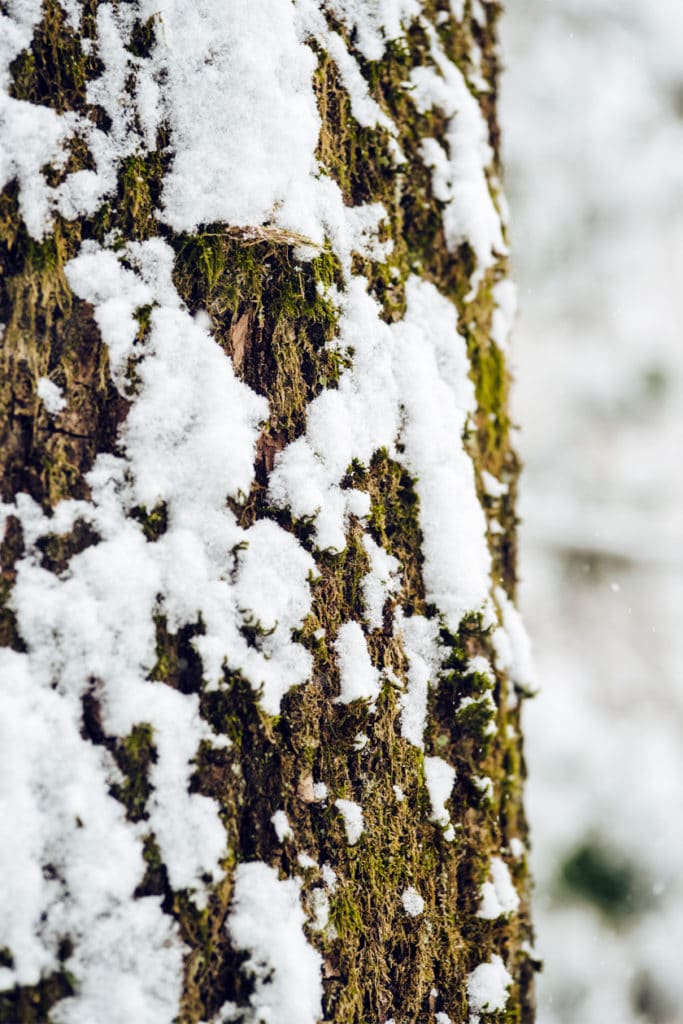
(593, 113)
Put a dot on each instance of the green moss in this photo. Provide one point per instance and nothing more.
(379, 950)
(475, 720)
(178, 664)
(143, 36)
(272, 315)
(55, 70)
(337, 591)
(394, 521)
(154, 523)
(134, 754)
(57, 549)
(491, 387)
(131, 213)
(31, 1004)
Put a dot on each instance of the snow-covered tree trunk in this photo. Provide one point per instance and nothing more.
(260, 756)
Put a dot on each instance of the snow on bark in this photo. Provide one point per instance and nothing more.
(266, 920)
(498, 896)
(234, 88)
(359, 679)
(352, 815)
(459, 172)
(487, 988)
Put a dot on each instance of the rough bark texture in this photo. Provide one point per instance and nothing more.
(266, 309)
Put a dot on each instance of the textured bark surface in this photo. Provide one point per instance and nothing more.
(266, 308)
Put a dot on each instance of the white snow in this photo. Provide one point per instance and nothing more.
(358, 677)
(482, 666)
(487, 987)
(380, 582)
(51, 396)
(407, 381)
(512, 645)
(517, 847)
(238, 161)
(311, 21)
(189, 440)
(498, 896)
(413, 903)
(493, 487)
(375, 23)
(485, 786)
(283, 830)
(440, 778)
(319, 909)
(329, 877)
(437, 397)
(459, 176)
(266, 920)
(420, 644)
(504, 313)
(352, 814)
(54, 791)
(30, 135)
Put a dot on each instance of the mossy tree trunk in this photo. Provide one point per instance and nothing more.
(268, 311)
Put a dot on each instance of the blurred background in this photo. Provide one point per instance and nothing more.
(592, 111)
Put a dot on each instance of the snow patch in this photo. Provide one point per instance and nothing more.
(512, 645)
(485, 786)
(498, 896)
(376, 23)
(504, 313)
(459, 175)
(487, 988)
(380, 582)
(440, 778)
(54, 791)
(51, 396)
(329, 877)
(517, 847)
(266, 920)
(352, 814)
(409, 381)
(358, 677)
(283, 830)
(319, 909)
(189, 441)
(420, 644)
(493, 487)
(413, 903)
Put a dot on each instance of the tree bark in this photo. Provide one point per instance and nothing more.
(396, 916)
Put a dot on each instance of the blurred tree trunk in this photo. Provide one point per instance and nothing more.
(379, 961)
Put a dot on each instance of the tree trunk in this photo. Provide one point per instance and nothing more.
(261, 669)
